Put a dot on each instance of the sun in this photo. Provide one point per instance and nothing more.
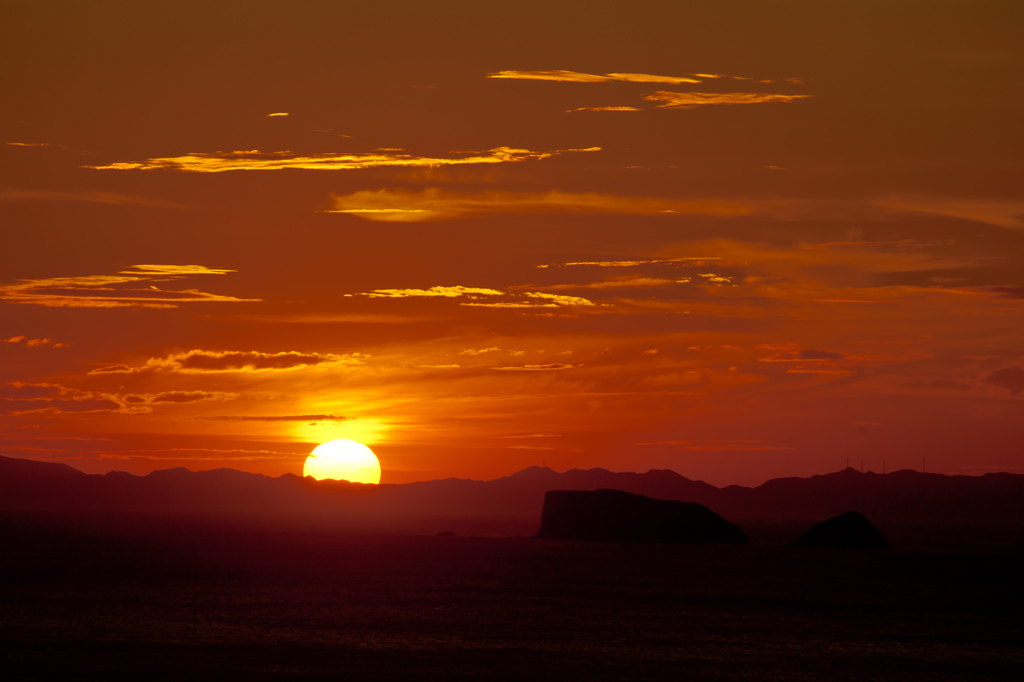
(343, 459)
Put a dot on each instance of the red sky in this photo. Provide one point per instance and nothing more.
(739, 240)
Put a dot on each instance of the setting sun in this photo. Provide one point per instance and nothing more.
(343, 459)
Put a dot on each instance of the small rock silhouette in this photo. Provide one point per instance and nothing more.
(851, 530)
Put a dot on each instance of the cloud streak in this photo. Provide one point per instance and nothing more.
(1006, 214)
(48, 398)
(479, 297)
(690, 100)
(694, 261)
(35, 343)
(9, 194)
(433, 292)
(280, 418)
(206, 361)
(552, 367)
(579, 77)
(219, 162)
(122, 290)
(436, 204)
(666, 99)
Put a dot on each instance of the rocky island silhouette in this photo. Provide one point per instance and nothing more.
(617, 516)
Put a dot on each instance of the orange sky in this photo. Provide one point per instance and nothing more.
(739, 240)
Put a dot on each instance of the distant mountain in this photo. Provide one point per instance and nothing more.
(902, 496)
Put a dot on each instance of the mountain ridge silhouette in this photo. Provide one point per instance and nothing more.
(993, 499)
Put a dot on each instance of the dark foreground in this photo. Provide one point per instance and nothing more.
(179, 601)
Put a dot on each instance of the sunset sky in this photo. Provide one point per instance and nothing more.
(739, 240)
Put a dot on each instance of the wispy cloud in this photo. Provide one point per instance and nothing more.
(280, 418)
(534, 435)
(604, 109)
(721, 445)
(688, 261)
(174, 270)
(20, 390)
(438, 291)
(479, 351)
(35, 343)
(218, 454)
(178, 397)
(435, 204)
(1003, 291)
(207, 361)
(667, 99)
(22, 398)
(577, 77)
(218, 162)
(805, 355)
(11, 194)
(339, 318)
(121, 290)
(1010, 378)
(485, 298)
(535, 368)
(624, 283)
(539, 300)
(1007, 214)
(689, 100)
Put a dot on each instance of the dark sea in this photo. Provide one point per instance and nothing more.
(215, 601)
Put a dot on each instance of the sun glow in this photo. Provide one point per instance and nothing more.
(343, 459)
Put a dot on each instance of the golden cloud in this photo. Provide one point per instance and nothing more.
(444, 292)
(558, 299)
(206, 361)
(671, 100)
(577, 77)
(175, 270)
(437, 204)
(479, 351)
(688, 100)
(219, 162)
(116, 291)
(476, 296)
(570, 111)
